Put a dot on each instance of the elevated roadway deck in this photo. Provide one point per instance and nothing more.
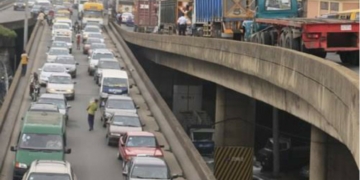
(323, 93)
(13, 19)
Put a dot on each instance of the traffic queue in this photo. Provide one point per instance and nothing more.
(42, 144)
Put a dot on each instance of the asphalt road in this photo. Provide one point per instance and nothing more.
(91, 158)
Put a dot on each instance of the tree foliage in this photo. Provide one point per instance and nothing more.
(7, 33)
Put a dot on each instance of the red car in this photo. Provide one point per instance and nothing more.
(132, 144)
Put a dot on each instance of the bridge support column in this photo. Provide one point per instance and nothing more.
(234, 118)
(330, 159)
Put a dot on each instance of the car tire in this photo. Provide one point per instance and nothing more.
(119, 156)
(108, 141)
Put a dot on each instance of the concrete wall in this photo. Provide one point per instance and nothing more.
(322, 93)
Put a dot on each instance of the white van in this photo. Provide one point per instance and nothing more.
(113, 82)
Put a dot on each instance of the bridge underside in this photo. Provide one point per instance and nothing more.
(18, 24)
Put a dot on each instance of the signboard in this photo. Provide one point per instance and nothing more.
(144, 6)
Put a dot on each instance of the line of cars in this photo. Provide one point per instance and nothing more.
(139, 150)
(42, 143)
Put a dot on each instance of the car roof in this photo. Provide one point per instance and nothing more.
(66, 55)
(59, 48)
(95, 33)
(115, 73)
(102, 51)
(62, 36)
(52, 96)
(149, 161)
(99, 43)
(108, 59)
(53, 64)
(92, 26)
(59, 42)
(51, 166)
(120, 97)
(140, 133)
(60, 23)
(44, 106)
(60, 74)
(121, 113)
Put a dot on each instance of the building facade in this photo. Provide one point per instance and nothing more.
(316, 8)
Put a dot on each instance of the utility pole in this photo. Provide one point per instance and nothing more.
(26, 28)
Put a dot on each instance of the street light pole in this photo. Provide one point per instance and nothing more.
(26, 28)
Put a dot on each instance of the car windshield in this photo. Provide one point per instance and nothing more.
(98, 46)
(41, 141)
(61, 26)
(43, 4)
(150, 172)
(119, 104)
(46, 176)
(141, 141)
(126, 121)
(65, 22)
(102, 55)
(92, 14)
(92, 29)
(52, 68)
(59, 102)
(60, 79)
(65, 60)
(59, 44)
(96, 35)
(58, 51)
(115, 82)
(93, 40)
(109, 65)
(65, 39)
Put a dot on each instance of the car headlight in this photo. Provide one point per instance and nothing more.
(107, 115)
(115, 134)
(20, 165)
(50, 90)
(70, 90)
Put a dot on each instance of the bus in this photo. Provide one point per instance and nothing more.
(93, 12)
(349, 14)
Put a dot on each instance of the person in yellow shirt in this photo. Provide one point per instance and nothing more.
(24, 62)
(91, 109)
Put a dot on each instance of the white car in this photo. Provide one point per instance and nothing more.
(59, 100)
(65, 21)
(118, 103)
(66, 39)
(48, 69)
(50, 169)
(96, 56)
(61, 83)
(55, 52)
(60, 26)
(90, 29)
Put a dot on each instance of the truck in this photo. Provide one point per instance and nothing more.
(123, 6)
(196, 122)
(145, 15)
(93, 12)
(278, 23)
(170, 11)
(80, 7)
(292, 155)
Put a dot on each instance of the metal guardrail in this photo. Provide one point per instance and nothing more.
(11, 93)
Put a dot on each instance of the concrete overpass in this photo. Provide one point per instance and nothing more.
(14, 19)
(321, 93)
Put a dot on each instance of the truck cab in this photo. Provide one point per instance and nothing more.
(93, 12)
(203, 139)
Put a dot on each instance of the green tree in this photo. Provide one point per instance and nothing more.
(7, 33)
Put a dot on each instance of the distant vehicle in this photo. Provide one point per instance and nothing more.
(69, 62)
(55, 52)
(116, 103)
(48, 169)
(44, 107)
(48, 69)
(58, 44)
(66, 39)
(120, 123)
(59, 100)
(19, 5)
(61, 83)
(90, 29)
(96, 35)
(113, 82)
(94, 59)
(132, 144)
(35, 10)
(61, 29)
(103, 65)
(147, 167)
(88, 42)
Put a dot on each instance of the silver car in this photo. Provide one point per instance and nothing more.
(119, 124)
(58, 44)
(61, 83)
(95, 46)
(48, 69)
(59, 100)
(149, 168)
(97, 35)
(90, 29)
(69, 62)
(105, 64)
(66, 39)
(118, 103)
(96, 56)
(54, 52)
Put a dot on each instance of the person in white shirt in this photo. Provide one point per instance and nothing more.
(182, 25)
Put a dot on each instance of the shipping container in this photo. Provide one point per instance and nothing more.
(145, 15)
(171, 10)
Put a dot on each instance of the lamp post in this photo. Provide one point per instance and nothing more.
(26, 28)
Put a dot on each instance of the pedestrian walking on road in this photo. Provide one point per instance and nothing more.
(24, 62)
(91, 109)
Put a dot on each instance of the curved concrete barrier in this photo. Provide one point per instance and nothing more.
(322, 93)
